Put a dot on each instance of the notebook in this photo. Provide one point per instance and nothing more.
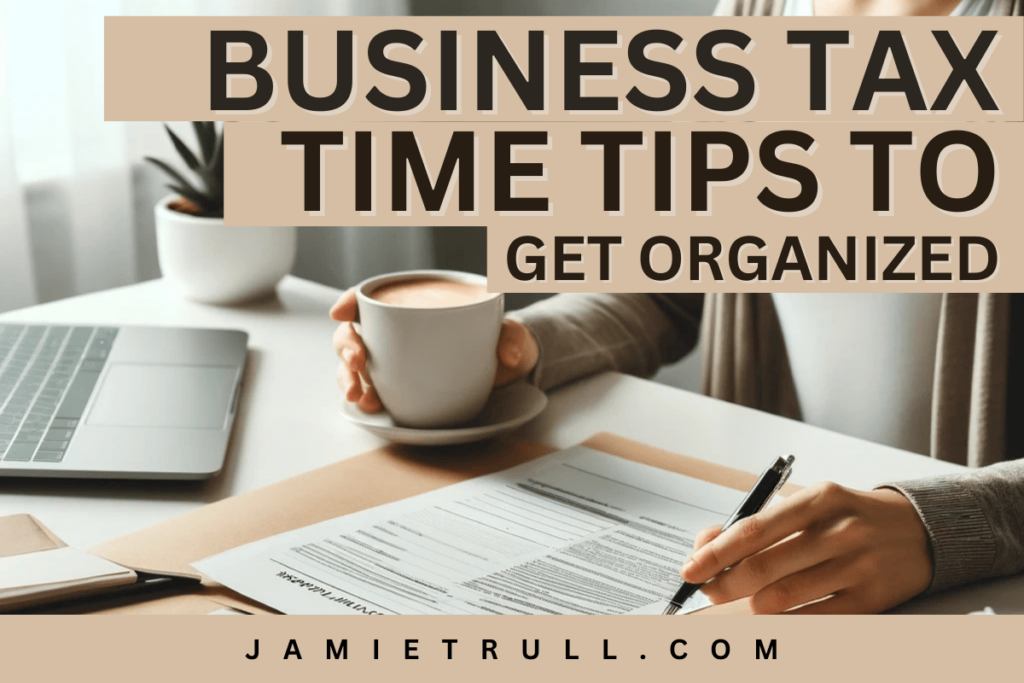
(37, 568)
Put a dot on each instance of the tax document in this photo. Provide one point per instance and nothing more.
(574, 532)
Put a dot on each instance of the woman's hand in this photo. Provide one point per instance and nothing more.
(517, 354)
(868, 550)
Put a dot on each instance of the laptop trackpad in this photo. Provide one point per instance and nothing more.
(169, 396)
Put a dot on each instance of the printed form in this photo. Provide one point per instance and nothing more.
(575, 532)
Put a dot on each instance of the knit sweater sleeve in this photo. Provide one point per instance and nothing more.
(975, 522)
(583, 334)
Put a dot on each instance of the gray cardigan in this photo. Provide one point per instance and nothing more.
(975, 520)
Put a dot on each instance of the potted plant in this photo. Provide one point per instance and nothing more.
(201, 257)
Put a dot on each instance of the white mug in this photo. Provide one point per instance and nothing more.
(431, 367)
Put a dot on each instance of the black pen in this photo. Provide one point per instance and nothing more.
(146, 585)
(768, 484)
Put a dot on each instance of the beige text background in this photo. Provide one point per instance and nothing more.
(840, 649)
(158, 68)
(264, 186)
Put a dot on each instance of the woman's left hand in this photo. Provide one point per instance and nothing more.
(867, 550)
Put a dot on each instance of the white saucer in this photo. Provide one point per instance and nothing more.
(508, 408)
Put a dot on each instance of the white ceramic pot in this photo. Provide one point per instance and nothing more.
(210, 262)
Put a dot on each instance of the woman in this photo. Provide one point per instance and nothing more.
(869, 551)
(872, 550)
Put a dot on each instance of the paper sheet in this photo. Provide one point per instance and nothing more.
(575, 532)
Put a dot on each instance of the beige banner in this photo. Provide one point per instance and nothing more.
(162, 68)
(925, 213)
(840, 649)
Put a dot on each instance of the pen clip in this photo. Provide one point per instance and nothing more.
(782, 480)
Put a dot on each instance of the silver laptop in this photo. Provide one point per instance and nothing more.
(117, 402)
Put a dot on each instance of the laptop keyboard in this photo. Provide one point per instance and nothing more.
(47, 374)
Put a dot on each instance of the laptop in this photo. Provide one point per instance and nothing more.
(117, 402)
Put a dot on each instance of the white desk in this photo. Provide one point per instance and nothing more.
(288, 423)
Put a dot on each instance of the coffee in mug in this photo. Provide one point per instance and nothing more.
(431, 340)
(430, 293)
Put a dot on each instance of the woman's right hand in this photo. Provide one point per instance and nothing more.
(517, 354)
(826, 549)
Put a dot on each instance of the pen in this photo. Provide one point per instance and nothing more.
(146, 584)
(768, 484)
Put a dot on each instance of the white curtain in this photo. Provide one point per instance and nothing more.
(76, 200)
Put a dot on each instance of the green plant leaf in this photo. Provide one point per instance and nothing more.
(218, 160)
(183, 151)
(178, 178)
(216, 168)
(206, 133)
